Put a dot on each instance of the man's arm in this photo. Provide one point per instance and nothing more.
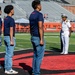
(70, 31)
(0, 29)
(69, 26)
(41, 32)
(11, 36)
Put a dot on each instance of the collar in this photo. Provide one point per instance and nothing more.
(65, 21)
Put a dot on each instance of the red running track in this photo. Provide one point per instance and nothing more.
(53, 63)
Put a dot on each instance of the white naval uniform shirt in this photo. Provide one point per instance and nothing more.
(65, 27)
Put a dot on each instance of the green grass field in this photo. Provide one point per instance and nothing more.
(52, 42)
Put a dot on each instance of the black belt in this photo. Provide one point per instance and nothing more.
(35, 35)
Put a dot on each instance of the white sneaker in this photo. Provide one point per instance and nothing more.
(11, 72)
(65, 53)
(62, 53)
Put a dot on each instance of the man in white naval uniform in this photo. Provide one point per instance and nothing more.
(65, 34)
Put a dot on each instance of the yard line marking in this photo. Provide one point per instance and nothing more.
(19, 50)
(31, 48)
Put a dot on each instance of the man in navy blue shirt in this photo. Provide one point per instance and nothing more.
(37, 36)
(0, 29)
(0, 21)
(9, 38)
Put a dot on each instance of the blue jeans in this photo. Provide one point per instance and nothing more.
(9, 52)
(38, 54)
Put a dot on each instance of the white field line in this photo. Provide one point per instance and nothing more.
(52, 50)
(22, 34)
(15, 47)
(58, 42)
(31, 48)
(18, 50)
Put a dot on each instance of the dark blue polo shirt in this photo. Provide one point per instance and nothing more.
(34, 18)
(0, 22)
(9, 22)
(0, 26)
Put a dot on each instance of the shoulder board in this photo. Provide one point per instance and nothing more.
(67, 21)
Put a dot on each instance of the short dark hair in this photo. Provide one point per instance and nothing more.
(35, 3)
(8, 9)
(0, 8)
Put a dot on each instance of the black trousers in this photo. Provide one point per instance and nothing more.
(61, 43)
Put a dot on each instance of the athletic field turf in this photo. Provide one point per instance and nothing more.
(52, 42)
(53, 63)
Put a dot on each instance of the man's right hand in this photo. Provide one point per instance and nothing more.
(41, 42)
(12, 43)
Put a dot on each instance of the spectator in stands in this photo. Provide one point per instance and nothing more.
(0, 29)
(9, 38)
(65, 33)
(37, 36)
(46, 16)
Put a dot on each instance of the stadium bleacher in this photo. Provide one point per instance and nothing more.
(19, 12)
(72, 2)
(53, 9)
